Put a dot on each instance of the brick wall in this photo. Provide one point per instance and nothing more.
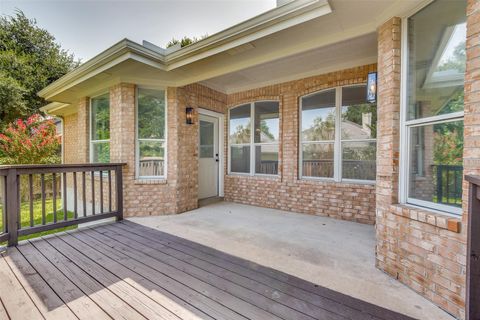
(355, 202)
(424, 250)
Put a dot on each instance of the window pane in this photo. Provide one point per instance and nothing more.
(318, 116)
(151, 158)
(436, 169)
(266, 121)
(436, 68)
(206, 139)
(100, 117)
(358, 160)
(101, 152)
(151, 114)
(240, 159)
(317, 160)
(266, 159)
(359, 118)
(240, 124)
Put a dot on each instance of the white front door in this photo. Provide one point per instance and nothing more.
(208, 155)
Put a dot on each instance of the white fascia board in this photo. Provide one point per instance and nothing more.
(51, 107)
(258, 27)
(114, 55)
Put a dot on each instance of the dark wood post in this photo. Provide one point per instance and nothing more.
(119, 191)
(473, 251)
(12, 207)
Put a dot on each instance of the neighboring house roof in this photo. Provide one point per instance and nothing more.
(281, 33)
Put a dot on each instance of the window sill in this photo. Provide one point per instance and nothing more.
(259, 176)
(426, 216)
(149, 181)
(313, 180)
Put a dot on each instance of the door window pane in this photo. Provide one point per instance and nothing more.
(359, 118)
(317, 160)
(240, 159)
(151, 158)
(266, 159)
(206, 139)
(358, 160)
(240, 124)
(318, 116)
(436, 67)
(266, 121)
(436, 168)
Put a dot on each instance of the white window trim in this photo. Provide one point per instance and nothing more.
(137, 140)
(337, 142)
(91, 141)
(252, 143)
(405, 125)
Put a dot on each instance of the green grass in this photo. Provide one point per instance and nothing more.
(37, 217)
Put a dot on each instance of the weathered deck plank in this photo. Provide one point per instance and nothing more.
(14, 297)
(128, 271)
(77, 301)
(46, 300)
(146, 306)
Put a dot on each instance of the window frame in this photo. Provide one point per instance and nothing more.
(406, 125)
(337, 142)
(252, 144)
(137, 139)
(91, 141)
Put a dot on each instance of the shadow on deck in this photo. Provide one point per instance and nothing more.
(128, 271)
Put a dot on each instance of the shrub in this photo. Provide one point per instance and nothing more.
(31, 141)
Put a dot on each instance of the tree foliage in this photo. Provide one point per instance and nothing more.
(34, 140)
(185, 41)
(30, 59)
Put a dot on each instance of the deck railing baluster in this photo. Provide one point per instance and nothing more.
(75, 209)
(92, 176)
(101, 191)
(42, 187)
(109, 190)
(54, 194)
(84, 194)
(64, 197)
(30, 198)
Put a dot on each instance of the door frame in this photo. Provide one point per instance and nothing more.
(221, 145)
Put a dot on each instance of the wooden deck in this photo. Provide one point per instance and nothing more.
(127, 271)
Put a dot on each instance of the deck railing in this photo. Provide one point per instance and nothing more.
(40, 198)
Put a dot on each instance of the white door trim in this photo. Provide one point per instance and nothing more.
(221, 146)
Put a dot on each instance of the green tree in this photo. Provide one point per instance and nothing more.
(30, 59)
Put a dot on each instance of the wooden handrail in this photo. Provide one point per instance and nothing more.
(472, 304)
(61, 175)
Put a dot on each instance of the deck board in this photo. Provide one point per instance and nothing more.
(128, 271)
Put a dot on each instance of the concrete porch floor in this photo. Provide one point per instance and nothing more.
(336, 254)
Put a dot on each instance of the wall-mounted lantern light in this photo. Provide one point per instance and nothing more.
(189, 115)
(372, 87)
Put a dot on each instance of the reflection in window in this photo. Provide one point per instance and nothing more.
(356, 157)
(359, 130)
(100, 129)
(436, 72)
(151, 133)
(262, 148)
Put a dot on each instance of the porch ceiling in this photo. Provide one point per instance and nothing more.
(354, 52)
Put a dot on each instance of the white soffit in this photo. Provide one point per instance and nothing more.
(354, 52)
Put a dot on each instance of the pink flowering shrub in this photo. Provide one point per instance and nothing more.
(31, 141)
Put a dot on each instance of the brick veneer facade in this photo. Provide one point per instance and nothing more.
(424, 250)
(347, 201)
